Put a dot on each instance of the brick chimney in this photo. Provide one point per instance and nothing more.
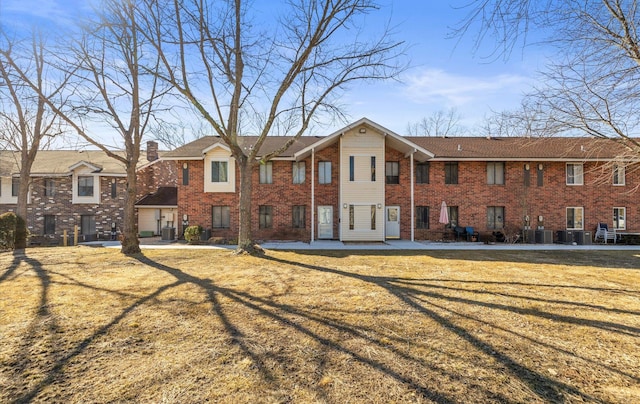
(152, 150)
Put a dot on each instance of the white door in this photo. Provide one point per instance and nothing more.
(392, 218)
(325, 222)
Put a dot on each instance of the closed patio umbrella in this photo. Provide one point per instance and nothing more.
(444, 213)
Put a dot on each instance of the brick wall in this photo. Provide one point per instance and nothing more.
(472, 195)
(163, 173)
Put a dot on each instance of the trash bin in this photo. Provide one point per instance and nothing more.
(168, 233)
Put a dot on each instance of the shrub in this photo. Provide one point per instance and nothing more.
(21, 233)
(8, 222)
(192, 233)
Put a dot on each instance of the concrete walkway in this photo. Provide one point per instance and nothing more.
(156, 243)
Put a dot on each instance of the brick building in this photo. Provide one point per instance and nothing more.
(79, 187)
(367, 183)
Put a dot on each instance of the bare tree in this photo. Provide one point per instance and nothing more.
(279, 77)
(440, 124)
(591, 84)
(111, 85)
(27, 125)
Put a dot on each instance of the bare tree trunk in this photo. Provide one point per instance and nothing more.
(130, 242)
(245, 235)
(23, 189)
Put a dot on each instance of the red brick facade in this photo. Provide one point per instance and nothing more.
(472, 195)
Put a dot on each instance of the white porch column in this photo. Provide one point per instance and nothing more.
(413, 208)
(313, 195)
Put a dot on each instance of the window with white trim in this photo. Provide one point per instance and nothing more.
(618, 175)
(575, 174)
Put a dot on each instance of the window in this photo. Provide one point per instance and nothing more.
(422, 173)
(266, 215)
(114, 189)
(85, 187)
(49, 187)
(266, 173)
(575, 218)
(219, 171)
(619, 218)
(373, 168)
(450, 173)
(298, 215)
(422, 217)
(618, 175)
(453, 216)
(221, 217)
(495, 173)
(574, 174)
(540, 175)
(87, 224)
(526, 175)
(352, 214)
(392, 169)
(185, 174)
(49, 224)
(324, 172)
(360, 167)
(298, 172)
(15, 186)
(495, 217)
(373, 217)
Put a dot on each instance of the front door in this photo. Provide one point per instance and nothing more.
(325, 222)
(392, 226)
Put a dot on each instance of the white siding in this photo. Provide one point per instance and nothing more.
(362, 192)
(147, 220)
(219, 154)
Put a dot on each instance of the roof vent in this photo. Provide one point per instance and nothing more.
(581, 148)
(459, 147)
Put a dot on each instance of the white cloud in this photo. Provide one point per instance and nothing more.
(436, 86)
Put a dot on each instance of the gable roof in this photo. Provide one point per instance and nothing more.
(438, 148)
(63, 162)
(520, 148)
(164, 196)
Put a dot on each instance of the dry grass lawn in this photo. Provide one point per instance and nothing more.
(188, 326)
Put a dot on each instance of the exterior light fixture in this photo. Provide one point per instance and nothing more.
(344, 205)
(526, 167)
(184, 166)
(363, 130)
(540, 166)
(379, 206)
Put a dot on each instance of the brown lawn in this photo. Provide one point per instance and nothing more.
(180, 326)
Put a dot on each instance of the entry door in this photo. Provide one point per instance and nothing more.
(392, 227)
(325, 222)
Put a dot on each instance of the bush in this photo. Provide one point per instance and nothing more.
(192, 233)
(8, 223)
(21, 233)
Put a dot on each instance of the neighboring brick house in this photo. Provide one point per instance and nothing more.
(366, 183)
(78, 187)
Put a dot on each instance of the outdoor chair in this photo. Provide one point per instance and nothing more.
(471, 235)
(459, 231)
(604, 235)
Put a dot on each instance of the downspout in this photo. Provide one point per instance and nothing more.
(340, 192)
(413, 222)
(313, 195)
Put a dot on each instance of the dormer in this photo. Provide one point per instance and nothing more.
(219, 169)
(86, 183)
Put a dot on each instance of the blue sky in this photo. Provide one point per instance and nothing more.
(444, 73)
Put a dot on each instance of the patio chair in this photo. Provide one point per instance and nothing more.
(604, 235)
(459, 231)
(471, 234)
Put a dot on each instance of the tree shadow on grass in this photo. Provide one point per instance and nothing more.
(405, 290)
(544, 387)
